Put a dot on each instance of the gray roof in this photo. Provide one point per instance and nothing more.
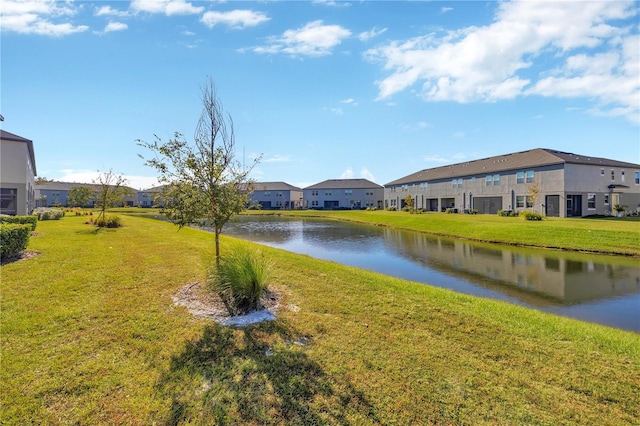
(345, 184)
(274, 186)
(519, 160)
(7, 136)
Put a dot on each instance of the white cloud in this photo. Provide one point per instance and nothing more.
(109, 11)
(348, 173)
(511, 57)
(115, 26)
(38, 17)
(167, 7)
(366, 174)
(314, 39)
(349, 101)
(332, 3)
(368, 35)
(446, 9)
(237, 19)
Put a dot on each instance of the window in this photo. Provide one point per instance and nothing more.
(327, 193)
(637, 178)
(622, 176)
(457, 183)
(348, 191)
(520, 201)
(591, 201)
(489, 180)
(601, 172)
(314, 193)
(8, 201)
(606, 199)
(496, 179)
(267, 193)
(529, 176)
(520, 177)
(613, 175)
(529, 201)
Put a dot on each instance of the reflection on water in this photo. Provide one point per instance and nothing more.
(594, 288)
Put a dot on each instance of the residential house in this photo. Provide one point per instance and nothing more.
(276, 195)
(149, 197)
(335, 194)
(56, 194)
(17, 175)
(555, 183)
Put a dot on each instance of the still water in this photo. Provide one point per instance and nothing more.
(600, 289)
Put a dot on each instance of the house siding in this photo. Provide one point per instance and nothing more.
(17, 175)
(566, 188)
(336, 194)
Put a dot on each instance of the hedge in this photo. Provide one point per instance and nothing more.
(14, 237)
(45, 213)
(23, 220)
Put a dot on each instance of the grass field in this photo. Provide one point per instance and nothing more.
(89, 335)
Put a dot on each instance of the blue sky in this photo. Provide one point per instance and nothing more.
(323, 89)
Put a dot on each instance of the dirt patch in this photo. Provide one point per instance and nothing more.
(202, 303)
(24, 255)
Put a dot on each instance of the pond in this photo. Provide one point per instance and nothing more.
(599, 289)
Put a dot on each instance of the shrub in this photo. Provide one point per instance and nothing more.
(44, 213)
(507, 213)
(21, 220)
(108, 222)
(14, 237)
(391, 209)
(255, 207)
(473, 211)
(527, 215)
(372, 209)
(240, 279)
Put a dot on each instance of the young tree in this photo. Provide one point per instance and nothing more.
(203, 183)
(409, 202)
(111, 192)
(532, 194)
(79, 196)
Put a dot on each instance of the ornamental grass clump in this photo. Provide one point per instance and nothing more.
(241, 279)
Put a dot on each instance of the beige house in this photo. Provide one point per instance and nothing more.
(17, 175)
(555, 183)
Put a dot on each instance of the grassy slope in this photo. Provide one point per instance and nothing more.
(608, 235)
(89, 335)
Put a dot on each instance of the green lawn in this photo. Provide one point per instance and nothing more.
(603, 235)
(89, 335)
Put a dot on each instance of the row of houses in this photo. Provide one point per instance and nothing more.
(555, 183)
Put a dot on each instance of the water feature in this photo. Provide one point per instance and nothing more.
(600, 289)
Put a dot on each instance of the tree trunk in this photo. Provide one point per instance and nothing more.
(217, 233)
